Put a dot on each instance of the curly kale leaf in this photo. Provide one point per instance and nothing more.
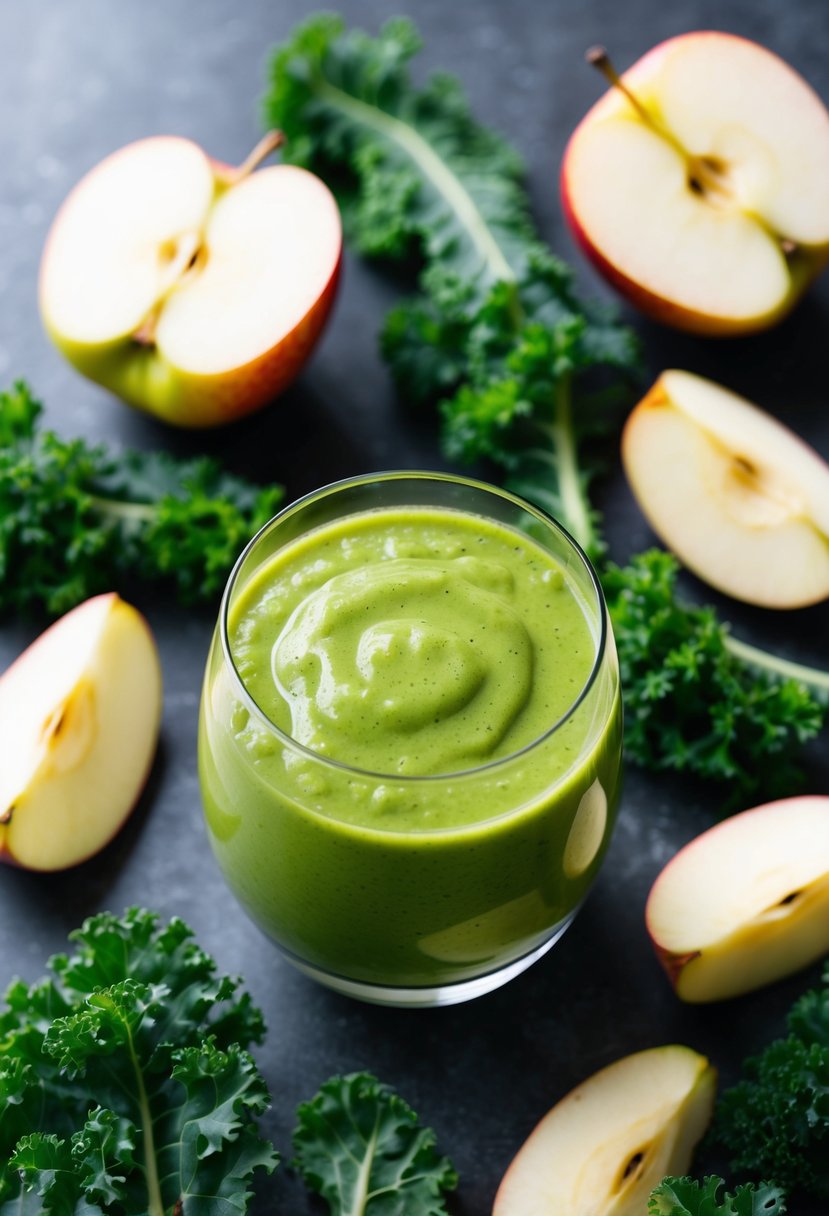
(412, 170)
(77, 519)
(361, 1148)
(526, 401)
(690, 704)
(497, 334)
(125, 1083)
(775, 1121)
(685, 1197)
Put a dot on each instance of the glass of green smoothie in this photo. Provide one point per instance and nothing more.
(410, 735)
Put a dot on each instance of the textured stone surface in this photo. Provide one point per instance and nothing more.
(78, 80)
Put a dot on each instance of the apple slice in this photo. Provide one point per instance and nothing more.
(192, 290)
(610, 1141)
(699, 184)
(745, 903)
(79, 719)
(736, 495)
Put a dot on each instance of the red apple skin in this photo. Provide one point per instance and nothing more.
(804, 266)
(8, 858)
(673, 964)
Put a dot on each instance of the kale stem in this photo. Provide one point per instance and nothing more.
(574, 505)
(361, 1192)
(433, 169)
(813, 677)
(131, 511)
(155, 1203)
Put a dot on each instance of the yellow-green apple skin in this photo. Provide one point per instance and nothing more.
(745, 903)
(80, 712)
(711, 215)
(740, 499)
(190, 290)
(605, 1146)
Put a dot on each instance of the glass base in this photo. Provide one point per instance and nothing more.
(431, 997)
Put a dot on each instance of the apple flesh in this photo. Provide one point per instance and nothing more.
(699, 186)
(192, 290)
(740, 499)
(610, 1141)
(745, 903)
(79, 718)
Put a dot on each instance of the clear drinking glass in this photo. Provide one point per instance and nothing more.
(410, 890)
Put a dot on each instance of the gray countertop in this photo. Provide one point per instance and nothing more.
(77, 81)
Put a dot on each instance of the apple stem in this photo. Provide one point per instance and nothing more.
(598, 58)
(813, 677)
(267, 145)
(704, 174)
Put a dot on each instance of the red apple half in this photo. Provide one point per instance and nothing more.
(733, 492)
(610, 1141)
(193, 291)
(699, 185)
(79, 718)
(745, 903)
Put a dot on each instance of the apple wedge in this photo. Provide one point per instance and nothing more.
(610, 1141)
(740, 499)
(745, 903)
(79, 720)
(192, 290)
(698, 185)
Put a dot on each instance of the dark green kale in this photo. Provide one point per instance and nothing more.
(684, 1197)
(125, 1086)
(497, 332)
(361, 1148)
(77, 519)
(692, 705)
(775, 1122)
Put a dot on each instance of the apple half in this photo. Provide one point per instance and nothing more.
(609, 1142)
(79, 719)
(699, 184)
(745, 903)
(191, 290)
(740, 499)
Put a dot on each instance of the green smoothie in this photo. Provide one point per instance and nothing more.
(388, 797)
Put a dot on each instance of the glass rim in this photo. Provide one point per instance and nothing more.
(364, 479)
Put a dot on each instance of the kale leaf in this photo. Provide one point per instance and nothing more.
(525, 374)
(691, 704)
(412, 170)
(775, 1121)
(497, 332)
(361, 1148)
(684, 1197)
(77, 519)
(125, 1083)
